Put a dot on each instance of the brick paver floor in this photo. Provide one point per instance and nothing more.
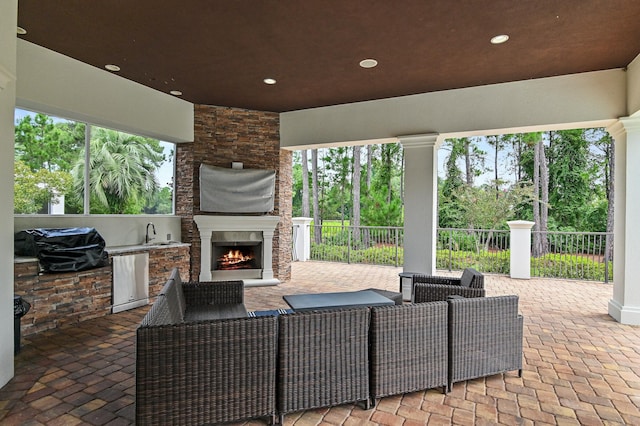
(580, 366)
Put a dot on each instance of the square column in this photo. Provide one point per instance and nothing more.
(624, 306)
(420, 202)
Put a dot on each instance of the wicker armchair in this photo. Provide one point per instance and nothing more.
(323, 359)
(428, 288)
(408, 348)
(485, 337)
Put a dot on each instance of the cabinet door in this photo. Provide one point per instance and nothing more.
(130, 281)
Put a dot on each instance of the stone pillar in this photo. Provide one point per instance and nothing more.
(420, 202)
(301, 238)
(624, 307)
(520, 262)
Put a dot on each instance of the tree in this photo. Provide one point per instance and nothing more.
(317, 222)
(541, 199)
(34, 189)
(305, 184)
(355, 197)
(121, 172)
(41, 144)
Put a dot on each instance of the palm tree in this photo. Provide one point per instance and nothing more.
(121, 172)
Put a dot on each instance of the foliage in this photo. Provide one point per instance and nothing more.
(161, 202)
(34, 189)
(41, 144)
(121, 176)
(487, 208)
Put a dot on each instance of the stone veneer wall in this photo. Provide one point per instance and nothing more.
(223, 135)
(60, 299)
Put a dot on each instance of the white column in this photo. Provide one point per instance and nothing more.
(625, 304)
(420, 202)
(267, 248)
(302, 238)
(205, 253)
(520, 261)
(8, 24)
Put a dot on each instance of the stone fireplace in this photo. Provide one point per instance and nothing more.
(237, 247)
(222, 136)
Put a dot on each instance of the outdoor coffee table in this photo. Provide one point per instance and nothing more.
(347, 299)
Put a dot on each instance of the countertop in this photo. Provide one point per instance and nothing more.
(118, 250)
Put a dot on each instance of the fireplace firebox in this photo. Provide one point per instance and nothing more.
(236, 255)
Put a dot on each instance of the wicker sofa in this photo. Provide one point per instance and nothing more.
(193, 368)
(430, 288)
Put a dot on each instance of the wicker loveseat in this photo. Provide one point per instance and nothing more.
(193, 368)
(429, 288)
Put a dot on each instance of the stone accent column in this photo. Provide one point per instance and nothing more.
(520, 262)
(302, 238)
(420, 202)
(625, 304)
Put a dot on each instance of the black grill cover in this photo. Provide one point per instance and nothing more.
(63, 249)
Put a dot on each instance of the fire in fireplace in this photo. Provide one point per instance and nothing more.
(233, 258)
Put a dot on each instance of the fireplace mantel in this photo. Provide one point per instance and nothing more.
(265, 224)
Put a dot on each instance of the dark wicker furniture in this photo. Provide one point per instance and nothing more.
(203, 371)
(485, 337)
(408, 348)
(323, 359)
(429, 288)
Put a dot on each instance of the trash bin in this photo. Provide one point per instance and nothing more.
(20, 309)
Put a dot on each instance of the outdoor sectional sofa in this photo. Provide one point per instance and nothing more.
(222, 370)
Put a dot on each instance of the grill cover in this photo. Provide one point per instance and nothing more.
(63, 249)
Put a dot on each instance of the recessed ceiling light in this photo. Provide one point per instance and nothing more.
(269, 81)
(112, 67)
(499, 39)
(368, 63)
(176, 92)
(21, 31)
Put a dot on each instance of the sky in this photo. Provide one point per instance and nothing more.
(164, 174)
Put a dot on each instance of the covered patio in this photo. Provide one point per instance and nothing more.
(580, 365)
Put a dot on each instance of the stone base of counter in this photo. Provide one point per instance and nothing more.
(60, 299)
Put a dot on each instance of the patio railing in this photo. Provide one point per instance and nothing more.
(579, 255)
(576, 255)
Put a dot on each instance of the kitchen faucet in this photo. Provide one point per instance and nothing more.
(153, 228)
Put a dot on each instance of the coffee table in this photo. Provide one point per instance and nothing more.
(346, 299)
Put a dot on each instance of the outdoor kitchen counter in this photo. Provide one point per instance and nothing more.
(118, 250)
(59, 299)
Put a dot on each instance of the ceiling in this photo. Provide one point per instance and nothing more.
(218, 52)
